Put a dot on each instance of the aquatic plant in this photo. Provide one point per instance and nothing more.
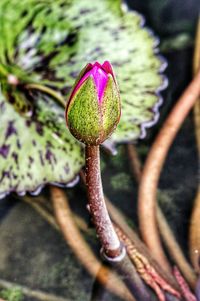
(39, 60)
(43, 46)
(93, 112)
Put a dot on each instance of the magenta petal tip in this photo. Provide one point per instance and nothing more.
(100, 74)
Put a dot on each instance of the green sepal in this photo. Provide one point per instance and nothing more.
(89, 120)
(111, 107)
(83, 71)
(83, 114)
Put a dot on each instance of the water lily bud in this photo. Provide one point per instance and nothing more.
(93, 109)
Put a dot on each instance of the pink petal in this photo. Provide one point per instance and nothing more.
(97, 64)
(108, 68)
(100, 79)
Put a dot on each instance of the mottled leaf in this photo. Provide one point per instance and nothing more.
(47, 43)
(36, 151)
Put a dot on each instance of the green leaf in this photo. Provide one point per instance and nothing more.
(36, 151)
(47, 43)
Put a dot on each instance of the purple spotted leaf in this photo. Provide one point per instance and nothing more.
(47, 45)
(38, 150)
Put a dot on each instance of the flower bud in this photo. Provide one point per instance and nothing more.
(93, 109)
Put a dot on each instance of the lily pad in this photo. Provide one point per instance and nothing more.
(36, 151)
(47, 43)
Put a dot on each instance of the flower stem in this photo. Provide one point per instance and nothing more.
(154, 164)
(194, 231)
(81, 249)
(119, 220)
(166, 233)
(110, 242)
(174, 249)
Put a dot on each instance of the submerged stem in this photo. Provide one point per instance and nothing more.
(104, 227)
(153, 167)
(81, 249)
(164, 228)
(194, 231)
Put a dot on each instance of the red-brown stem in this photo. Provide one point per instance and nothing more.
(194, 230)
(120, 220)
(135, 163)
(81, 249)
(104, 227)
(153, 167)
(175, 250)
(164, 228)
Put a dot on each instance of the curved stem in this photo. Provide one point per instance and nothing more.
(119, 219)
(135, 163)
(104, 227)
(42, 211)
(47, 90)
(194, 231)
(133, 281)
(175, 250)
(81, 249)
(74, 239)
(153, 167)
(164, 228)
(186, 292)
(196, 59)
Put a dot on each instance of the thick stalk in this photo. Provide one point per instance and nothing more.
(110, 242)
(119, 219)
(81, 249)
